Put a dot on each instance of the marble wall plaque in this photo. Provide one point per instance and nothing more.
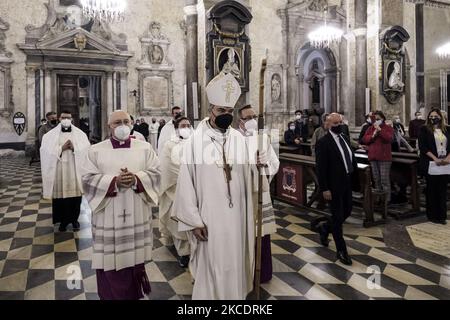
(156, 91)
(2, 90)
(431, 237)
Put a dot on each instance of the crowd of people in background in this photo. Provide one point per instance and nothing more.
(380, 137)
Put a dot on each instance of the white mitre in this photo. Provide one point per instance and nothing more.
(223, 90)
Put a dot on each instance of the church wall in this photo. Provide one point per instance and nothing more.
(437, 22)
(20, 13)
(265, 33)
(30, 12)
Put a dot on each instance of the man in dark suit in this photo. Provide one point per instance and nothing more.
(335, 164)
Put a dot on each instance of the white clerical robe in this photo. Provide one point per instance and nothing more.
(138, 136)
(268, 222)
(167, 133)
(153, 128)
(122, 224)
(61, 176)
(170, 168)
(223, 266)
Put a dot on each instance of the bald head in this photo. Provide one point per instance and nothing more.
(117, 119)
(335, 118)
(334, 123)
(118, 115)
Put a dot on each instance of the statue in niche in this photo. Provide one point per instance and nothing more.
(231, 66)
(276, 88)
(318, 5)
(156, 54)
(395, 78)
(155, 31)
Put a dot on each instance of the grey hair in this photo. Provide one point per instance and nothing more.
(117, 111)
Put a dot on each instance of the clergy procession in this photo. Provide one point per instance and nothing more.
(204, 181)
(224, 150)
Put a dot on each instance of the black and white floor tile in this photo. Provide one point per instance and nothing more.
(38, 262)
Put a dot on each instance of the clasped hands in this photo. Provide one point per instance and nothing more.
(126, 179)
(67, 146)
(442, 162)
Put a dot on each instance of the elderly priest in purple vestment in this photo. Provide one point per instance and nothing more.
(121, 182)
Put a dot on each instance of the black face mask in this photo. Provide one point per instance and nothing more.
(54, 122)
(435, 121)
(223, 121)
(337, 129)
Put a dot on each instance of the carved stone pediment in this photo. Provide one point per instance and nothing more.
(67, 40)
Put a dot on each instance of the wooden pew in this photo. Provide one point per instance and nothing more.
(297, 171)
(303, 148)
(404, 170)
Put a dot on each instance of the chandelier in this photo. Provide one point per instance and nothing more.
(326, 35)
(444, 51)
(104, 10)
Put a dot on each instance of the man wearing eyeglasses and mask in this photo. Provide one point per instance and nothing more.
(213, 200)
(269, 163)
(62, 152)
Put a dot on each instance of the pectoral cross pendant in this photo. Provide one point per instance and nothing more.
(227, 171)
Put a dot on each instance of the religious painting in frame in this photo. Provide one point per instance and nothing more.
(393, 68)
(223, 63)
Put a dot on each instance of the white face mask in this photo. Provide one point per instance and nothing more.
(292, 128)
(420, 117)
(185, 133)
(369, 120)
(298, 117)
(378, 122)
(122, 132)
(66, 123)
(251, 126)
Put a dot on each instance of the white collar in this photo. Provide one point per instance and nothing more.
(335, 136)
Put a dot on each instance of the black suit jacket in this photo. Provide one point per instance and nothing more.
(330, 165)
(427, 143)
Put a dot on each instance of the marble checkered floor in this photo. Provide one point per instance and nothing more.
(37, 262)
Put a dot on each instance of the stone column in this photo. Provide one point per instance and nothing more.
(191, 19)
(31, 106)
(124, 92)
(48, 91)
(420, 55)
(42, 93)
(109, 93)
(114, 90)
(192, 80)
(361, 60)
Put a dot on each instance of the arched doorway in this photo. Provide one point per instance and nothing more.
(317, 79)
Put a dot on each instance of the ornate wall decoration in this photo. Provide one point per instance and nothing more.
(393, 73)
(155, 73)
(228, 46)
(6, 102)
